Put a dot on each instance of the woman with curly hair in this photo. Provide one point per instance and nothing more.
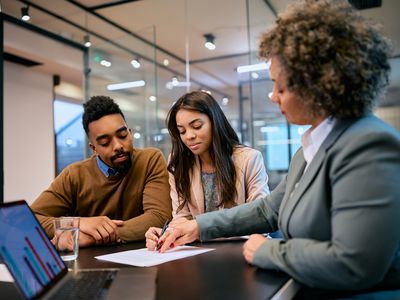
(208, 168)
(338, 208)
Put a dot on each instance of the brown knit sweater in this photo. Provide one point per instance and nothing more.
(140, 198)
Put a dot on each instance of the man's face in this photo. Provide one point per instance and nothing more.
(111, 139)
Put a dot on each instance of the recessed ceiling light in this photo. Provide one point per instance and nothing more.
(135, 63)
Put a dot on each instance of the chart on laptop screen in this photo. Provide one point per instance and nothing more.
(26, 250)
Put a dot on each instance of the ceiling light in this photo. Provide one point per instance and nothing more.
(166, 62)
(25, 14)
(255, 67)
(152, 98)
(86, 38)
(105, 63)
(135, 63)
(86, 41)
(176, 83)
(209, 44)
(125, 85)
(254, 75)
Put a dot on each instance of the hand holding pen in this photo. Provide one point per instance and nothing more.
(158, 245)
(181, 233)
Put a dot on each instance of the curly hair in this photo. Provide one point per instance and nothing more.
(333, 57)
(224, 140)
(98, 107)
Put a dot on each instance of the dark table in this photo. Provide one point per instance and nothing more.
(219, 274)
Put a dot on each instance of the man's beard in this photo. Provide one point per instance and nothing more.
(124, 166)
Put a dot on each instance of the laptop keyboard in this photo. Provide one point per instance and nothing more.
(86, 285)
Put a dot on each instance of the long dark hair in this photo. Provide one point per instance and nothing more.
(224, 141)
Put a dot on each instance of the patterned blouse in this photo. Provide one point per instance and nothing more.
(210, 191)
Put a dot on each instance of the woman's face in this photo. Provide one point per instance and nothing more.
(290, 103)
(195, 130)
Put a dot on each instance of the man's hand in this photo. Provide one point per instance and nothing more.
(86, 240)
(102, 229)
(252, 245)
(152, 235)
(177, 234)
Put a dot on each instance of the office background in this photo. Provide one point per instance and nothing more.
(48, 71)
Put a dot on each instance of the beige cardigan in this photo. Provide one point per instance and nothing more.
(251, 183)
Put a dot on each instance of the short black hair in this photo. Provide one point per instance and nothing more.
(98, 107)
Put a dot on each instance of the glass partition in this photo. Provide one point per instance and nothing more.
(155, 77)
(69, 134)
(167, 72)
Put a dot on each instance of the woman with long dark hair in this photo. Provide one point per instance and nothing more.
(209, 169)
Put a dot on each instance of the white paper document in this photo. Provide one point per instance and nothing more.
(145, 258)
(4, 274)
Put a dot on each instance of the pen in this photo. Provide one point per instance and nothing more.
(161, 234)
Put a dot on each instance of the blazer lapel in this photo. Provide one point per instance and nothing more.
(294, 194)
(296, 169)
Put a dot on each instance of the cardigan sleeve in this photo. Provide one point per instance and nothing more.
(256, 177)
(185, 211)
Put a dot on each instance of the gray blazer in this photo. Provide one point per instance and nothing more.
(340, 219)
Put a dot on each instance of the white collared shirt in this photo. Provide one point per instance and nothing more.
(312, 139)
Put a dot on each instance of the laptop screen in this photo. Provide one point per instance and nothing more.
(26, 250)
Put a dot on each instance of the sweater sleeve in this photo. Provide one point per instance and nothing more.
(54, 202)
(156, 201)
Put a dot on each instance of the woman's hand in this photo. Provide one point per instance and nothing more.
(252, 245)
(177, 234)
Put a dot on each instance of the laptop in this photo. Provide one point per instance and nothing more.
(40, 273)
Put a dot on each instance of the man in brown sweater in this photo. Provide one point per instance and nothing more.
(119, 192)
